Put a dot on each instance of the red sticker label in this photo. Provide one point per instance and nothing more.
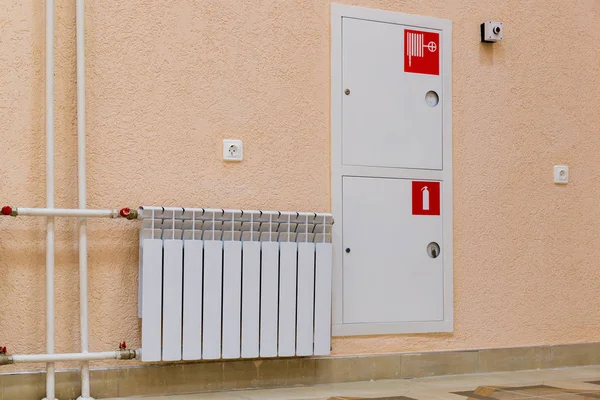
(425, 198)
(421, 52)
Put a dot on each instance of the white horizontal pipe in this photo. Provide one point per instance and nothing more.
(66, 212)
(106, 355)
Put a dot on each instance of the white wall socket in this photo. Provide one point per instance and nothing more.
(233, 150)
(561, 174)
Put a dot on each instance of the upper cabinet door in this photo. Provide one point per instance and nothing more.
(389, 120)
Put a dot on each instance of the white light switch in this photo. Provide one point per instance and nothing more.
(233, 150)
(561, 174)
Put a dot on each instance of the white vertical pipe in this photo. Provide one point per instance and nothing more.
(50, 195)
(82, 198)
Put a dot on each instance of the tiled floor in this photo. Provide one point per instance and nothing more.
(578, 383)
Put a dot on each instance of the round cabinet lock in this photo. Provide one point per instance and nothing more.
(347, 249)
(433, 250)
(432, 99)
(347, 91)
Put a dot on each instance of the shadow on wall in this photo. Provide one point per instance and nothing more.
(490, 53)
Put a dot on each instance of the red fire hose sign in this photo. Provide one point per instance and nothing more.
(425, 198)
(421, 52)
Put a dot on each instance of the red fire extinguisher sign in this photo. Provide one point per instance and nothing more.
(421, 52)
(425, 198)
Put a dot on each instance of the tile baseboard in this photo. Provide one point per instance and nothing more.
(288, 372)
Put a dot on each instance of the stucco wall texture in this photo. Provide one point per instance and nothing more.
(168, 80)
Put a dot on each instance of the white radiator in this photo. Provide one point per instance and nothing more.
(234, 284)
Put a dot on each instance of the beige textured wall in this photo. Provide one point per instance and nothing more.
(167, 80)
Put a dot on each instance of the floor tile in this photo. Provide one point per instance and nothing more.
(435, 394)
(471, 382)
(493, 393)
(206, 396)
(583, 373)
(580, 396)
(574, 385)
(577, 383)
(370, 389)
(423, 396)
(391, 387)
(313, 392)
(534, 390)
(372, 398)
(316, 398)
(202, 396)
